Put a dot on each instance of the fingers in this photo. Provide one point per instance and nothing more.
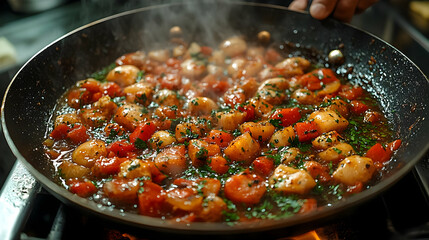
(298, 5)
(321, 9)
(342, 10)
(345, 10)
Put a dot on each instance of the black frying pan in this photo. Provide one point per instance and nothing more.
(399, 85)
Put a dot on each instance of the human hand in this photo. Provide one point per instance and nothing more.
(342, 10)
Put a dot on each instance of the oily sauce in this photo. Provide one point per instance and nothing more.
(232, 133)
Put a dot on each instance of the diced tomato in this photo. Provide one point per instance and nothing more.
(358, 107)
(143, 132)
(206, 50)
(306, 130)
(372, 116)
(152, 200)
(96, 96)
(60, 131)
(104, 167)
(287, 116)
(91, 86)
(220, 86)
(263, 166)
(111, 89)
(78, 134)
(309, 205)
(157, 175)
(393, 146)
(378, 153)
(88, 93)
(218, 164)
(82, 188)
(249, 110)
(315, 79)
(350, 92)
(221, 138)
(120, 148)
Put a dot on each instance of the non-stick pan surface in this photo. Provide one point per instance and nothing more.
(397, 83)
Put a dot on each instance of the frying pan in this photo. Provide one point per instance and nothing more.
(399, 86)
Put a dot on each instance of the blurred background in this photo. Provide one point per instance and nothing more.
(27, 26)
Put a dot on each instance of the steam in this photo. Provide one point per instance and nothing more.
(204, 21)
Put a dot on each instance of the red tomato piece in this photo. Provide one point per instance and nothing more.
(220, 87)
(96, 96)
(104, 167)
(306, 131)
(91, 86)
(143, 132)
(394, 145)
(220, 138)
(287, 116)
(249, 110)
(60, 131)
(111, 89)
(82, 188)
(263, 166)
(315, 79)
(78, 134)
(350, 92)
(120, 148)
(358, 107)
(156, 174)
(378, 153)
(152, 200)
(206, 50)
(372, 116)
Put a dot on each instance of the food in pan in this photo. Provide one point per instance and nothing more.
(232, 133)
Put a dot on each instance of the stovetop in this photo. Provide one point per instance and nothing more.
(402, 212)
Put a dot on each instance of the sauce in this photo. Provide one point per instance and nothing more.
(227, 134)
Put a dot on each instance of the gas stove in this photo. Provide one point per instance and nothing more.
(402, 212)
